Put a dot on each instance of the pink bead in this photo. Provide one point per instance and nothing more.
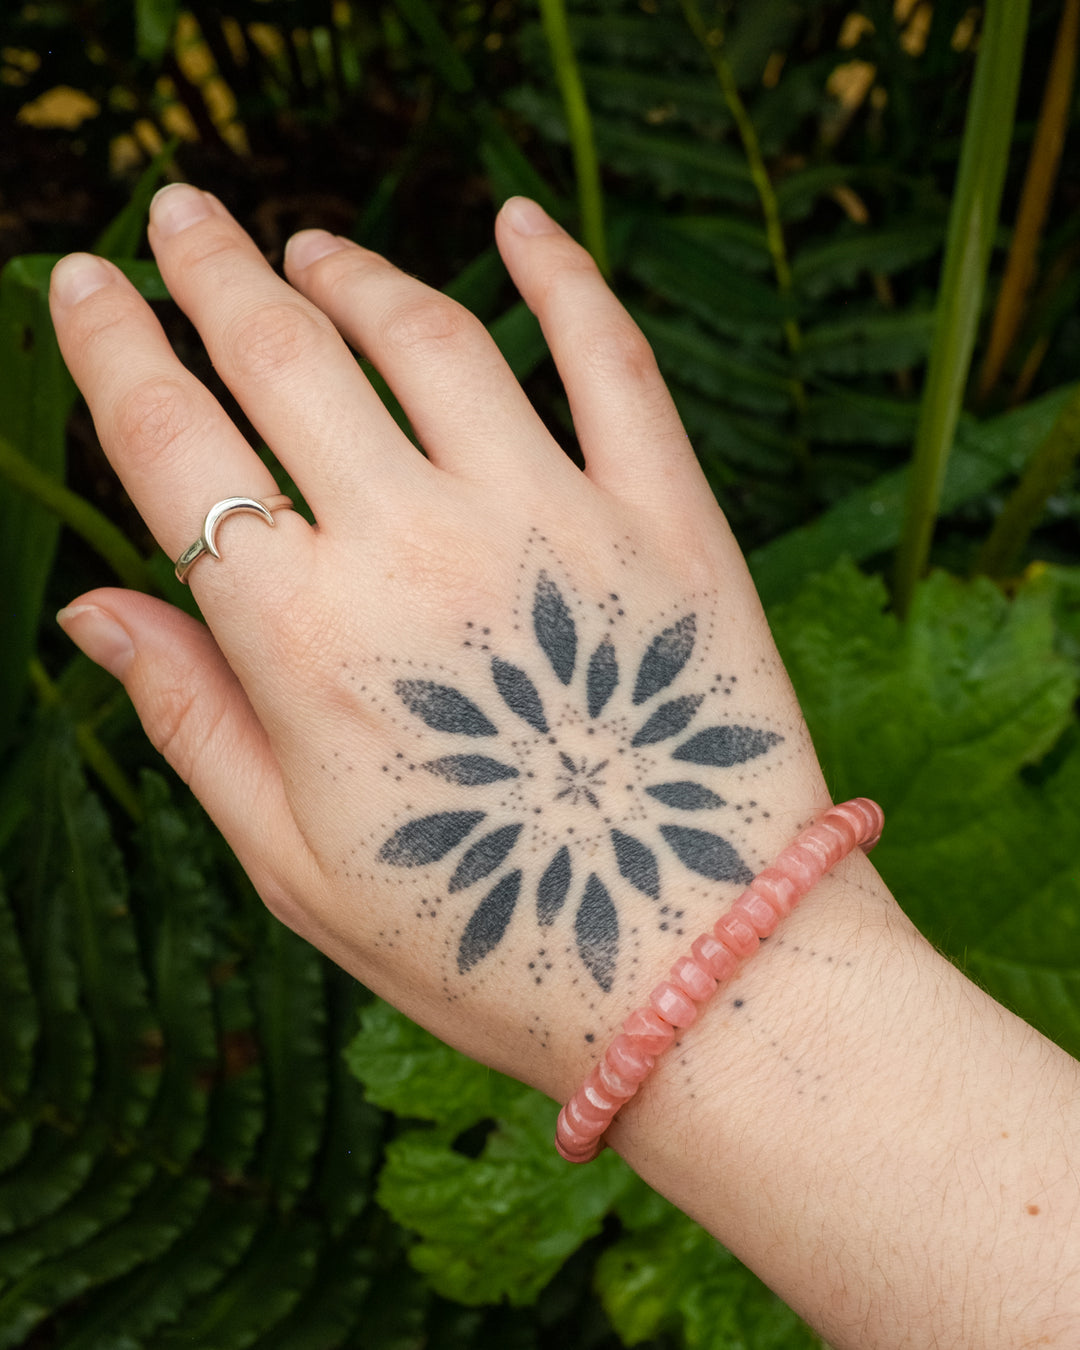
(758, 913)
(673, 1005)
(688, 976)
(837, 839)
(720, 961)
(586, 1118)
(818, 844)
(649, 1030)
(627, 1058)
(572, 1144)
(613, 1083)
(780, 891)
(801, 866)
(735, 932)
(599, 1096)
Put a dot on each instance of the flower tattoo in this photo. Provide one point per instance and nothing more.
(575, 792)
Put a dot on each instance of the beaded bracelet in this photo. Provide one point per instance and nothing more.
(714, 957)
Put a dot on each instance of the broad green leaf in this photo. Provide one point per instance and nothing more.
(668, 1276)
(498, 1226)
(406, 1070)
(961, 724)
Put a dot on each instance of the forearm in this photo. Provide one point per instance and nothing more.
(894, 1153)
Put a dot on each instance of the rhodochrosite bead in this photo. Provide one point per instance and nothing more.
(715, 956)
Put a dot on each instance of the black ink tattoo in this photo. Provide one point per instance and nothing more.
(578, 774)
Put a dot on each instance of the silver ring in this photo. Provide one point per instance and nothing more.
(214, 517)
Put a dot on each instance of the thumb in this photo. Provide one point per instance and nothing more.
(196, 713)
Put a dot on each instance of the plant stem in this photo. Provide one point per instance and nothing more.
(579, 123)
(712, 43)
(91, 749)
(79, 516)
(1044, 472)
(1035, 198)
(972, 222)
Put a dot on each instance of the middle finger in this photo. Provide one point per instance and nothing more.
(283, 360)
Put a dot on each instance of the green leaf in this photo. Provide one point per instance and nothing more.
(838, 262)
(710, 365)
(288, 987)
(498, 1226)
(36, 394)
(172, 893)
(667, 1275)
(155, 21)
(868, 520)
(406, 1070)
(19, 1024)
(701, 280)
(961, 724)
(869, 344)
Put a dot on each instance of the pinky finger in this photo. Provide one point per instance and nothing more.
(197, 715)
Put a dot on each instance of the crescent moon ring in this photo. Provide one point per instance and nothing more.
(206, 541)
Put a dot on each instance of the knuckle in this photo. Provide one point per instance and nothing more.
(261, 344)
(178, 727)
(618, 350)
(153, 417)
(430, 320)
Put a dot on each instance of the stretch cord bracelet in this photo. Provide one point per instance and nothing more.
(714, 957)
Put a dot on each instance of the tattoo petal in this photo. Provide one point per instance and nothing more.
(519, 694)
(596, 927)
(424, 841)
(488, 922)
(706, 853)
(601, 677)
(668, 720)
(723, 747)
(685, 796)
(470, 770)
(443, 708)
(482, 858)
(637, 864)
(668, 652)
(554, 885)
(554, 627)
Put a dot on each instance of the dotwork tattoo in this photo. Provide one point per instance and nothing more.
(582, 771)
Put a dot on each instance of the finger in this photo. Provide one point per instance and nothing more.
(630, 434)
(197, 715)
(167, 437)
(460, 395)
(281, 357)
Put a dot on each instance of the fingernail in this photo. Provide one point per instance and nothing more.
(99, 636)
(309, 246)
(176, 206)
(528, 217)
(77, 276)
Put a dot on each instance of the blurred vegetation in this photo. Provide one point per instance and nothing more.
(850, 231)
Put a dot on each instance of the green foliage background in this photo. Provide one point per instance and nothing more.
(209, 1136)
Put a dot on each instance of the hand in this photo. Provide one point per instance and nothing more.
(498, 735)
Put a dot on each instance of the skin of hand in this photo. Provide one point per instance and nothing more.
(502, 736)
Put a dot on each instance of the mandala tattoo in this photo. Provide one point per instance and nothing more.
(643, 800)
